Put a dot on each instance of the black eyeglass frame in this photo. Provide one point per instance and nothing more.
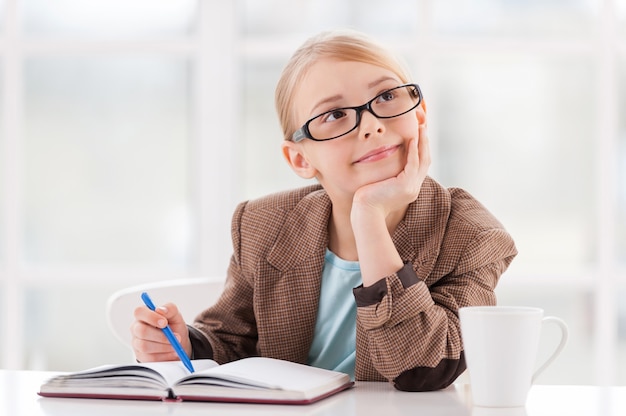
(304, 132)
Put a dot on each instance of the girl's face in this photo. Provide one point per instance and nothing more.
(374, 151)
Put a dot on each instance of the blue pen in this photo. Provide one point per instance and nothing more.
(170, 336)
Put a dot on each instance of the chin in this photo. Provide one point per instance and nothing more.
(383, 173)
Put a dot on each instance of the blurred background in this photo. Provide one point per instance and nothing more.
(129, 129)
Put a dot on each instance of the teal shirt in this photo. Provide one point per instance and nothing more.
(334, 341)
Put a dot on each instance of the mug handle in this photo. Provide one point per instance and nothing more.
(564, 335)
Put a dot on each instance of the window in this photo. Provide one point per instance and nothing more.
(621, 229)
(109, 19)
(563, 20)
(105, 181)
(106, 148)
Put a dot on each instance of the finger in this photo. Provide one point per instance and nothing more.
(147, 333)
(142, 346)
(154, 318)
(150, 344)
(171, 312)
(424, 149)
(412, 159)
(146, 354)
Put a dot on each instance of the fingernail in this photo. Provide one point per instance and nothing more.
(162, 323)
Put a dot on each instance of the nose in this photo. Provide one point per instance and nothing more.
(370, 124)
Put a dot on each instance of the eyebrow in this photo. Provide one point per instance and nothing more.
(380, 81)
(337, 97)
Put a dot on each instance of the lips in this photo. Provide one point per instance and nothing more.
(378, 154)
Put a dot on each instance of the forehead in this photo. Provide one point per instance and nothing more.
(343, 82)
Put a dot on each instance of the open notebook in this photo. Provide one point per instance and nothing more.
(251, 380)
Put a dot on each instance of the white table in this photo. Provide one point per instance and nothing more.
(18, 397)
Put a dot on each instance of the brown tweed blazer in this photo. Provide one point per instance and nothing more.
(407, 324)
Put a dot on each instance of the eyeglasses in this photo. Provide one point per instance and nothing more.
(341, 121)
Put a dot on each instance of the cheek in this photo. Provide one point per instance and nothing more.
(325, 156)
(407, 127)
(338, 156)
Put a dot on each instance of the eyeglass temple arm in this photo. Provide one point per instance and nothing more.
(298, 135)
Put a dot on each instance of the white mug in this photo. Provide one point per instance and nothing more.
(500, 346)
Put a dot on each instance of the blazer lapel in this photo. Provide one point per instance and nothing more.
(304, 233)
(418, 237)
(295, 264)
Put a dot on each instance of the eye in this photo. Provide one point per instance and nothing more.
(333, 115)
(386, 96)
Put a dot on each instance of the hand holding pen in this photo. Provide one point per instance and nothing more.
(146, 342)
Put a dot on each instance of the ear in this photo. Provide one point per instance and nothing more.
(297, 160)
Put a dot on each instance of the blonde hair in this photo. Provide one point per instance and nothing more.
(340, 45)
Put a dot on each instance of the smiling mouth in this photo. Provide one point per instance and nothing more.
(378, 154)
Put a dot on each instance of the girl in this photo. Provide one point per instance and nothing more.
(364, 272)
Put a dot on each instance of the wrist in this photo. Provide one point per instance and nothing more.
(365, 214)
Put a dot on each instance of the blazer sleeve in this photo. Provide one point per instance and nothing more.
(227, 331)
(412, 328)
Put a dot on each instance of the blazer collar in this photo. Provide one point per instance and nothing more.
(304, 233)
